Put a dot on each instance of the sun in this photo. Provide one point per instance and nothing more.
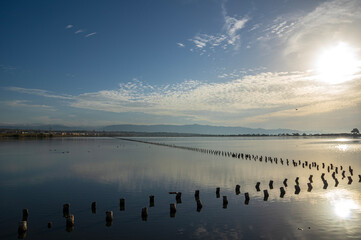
(337, 64)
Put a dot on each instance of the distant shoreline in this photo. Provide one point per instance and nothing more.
(40, 134)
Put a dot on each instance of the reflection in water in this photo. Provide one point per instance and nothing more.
(342, 202)
(342, 147)
(97, 169)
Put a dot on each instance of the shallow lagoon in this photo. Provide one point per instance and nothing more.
(42, 175)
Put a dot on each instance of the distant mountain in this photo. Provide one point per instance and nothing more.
(183, 129)
(195, 129)
(47, 127)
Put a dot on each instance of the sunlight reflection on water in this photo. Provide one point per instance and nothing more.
(343, 203)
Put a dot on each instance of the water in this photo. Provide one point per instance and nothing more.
(42, 175)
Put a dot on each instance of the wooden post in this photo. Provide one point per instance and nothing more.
(196, 194)
(122, 204)
(282, 192)
(23, 226)
(266, 195)
(199, 205)
(144, 214)
(70, 221)
(109, 216)
(297, 189)
(271, 184)
(310, 178)
(285, 182)
(309, 187)
(25, 214)
(349, 180)
(173, 210)
(238, 191)
(66, 208)
(94, 207)
(225, 201)
(151, 201)
(257, 186)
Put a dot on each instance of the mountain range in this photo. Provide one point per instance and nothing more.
(188, 129)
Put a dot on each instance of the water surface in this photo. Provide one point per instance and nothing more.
(42, 175)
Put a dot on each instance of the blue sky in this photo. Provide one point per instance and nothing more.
(230, 63)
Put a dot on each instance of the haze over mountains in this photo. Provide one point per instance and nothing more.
(186, 129)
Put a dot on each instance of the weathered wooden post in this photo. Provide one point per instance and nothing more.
(310, 178)
(309, 187)
(238, 191)
(297, 189)
(246, 196)
(271, 184)
(66, 208)
(151, 201)
(349, 180)
(325, 184)
(94, 207)
(282, 192)
(257, 186)
(173, 210)
(285, 182)
(199, 205)
(336, 182)
(297, 181)
(122, 204)
(109, 216)
(266, 195)
(225, 201)
(70, 221)
(22, 227)
(359, 178)
(25, 214)
(178, 197)
(144, 214)
(196, 194)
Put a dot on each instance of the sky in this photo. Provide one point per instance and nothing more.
(259, 64)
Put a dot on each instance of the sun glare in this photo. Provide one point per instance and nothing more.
(337, 64)
(343, 204)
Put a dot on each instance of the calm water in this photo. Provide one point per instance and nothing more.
(42, 175)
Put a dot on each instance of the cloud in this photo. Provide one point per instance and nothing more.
(79, 31)
(332, 20)
(7, 68)
(90, 34)
(69, 26)
(180, 44)
(233, 25)
(300, 33)
(230, 34)
(37, 92)
(258, 98)
(26, 104)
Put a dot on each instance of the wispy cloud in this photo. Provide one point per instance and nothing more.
(79, 31)
(302, 33)
(90, 34)
(180, 44)
(229, 36)
(37, 92)
(7, 68)
(69, 26)
(26, 104)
